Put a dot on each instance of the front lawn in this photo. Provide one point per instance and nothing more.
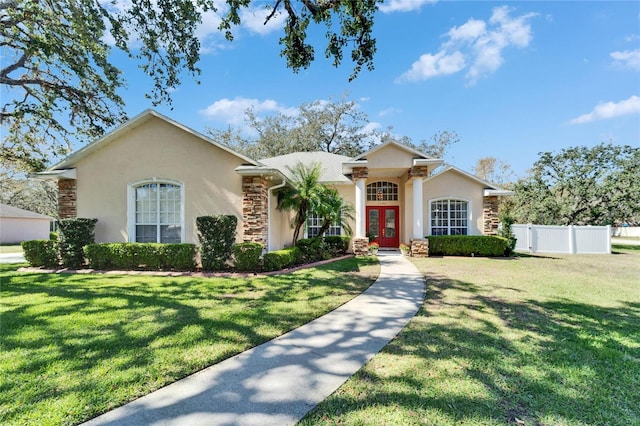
(75, 346)
(533, 340)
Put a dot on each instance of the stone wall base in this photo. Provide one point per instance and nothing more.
(361, 246)
(419, 248)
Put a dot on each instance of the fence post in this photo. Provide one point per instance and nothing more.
(608, 239)
(529, 237)
(572, 240)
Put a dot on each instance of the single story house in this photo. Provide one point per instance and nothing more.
(149, 179)
(17, 225)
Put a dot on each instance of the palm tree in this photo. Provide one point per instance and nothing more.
(307, 195)
(302, 196)
(333, 209)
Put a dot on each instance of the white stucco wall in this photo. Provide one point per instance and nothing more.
(14, 230)
(157, 149)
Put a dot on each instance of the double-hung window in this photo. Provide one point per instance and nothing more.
(314, 223)
(449, 217)
(157, 212)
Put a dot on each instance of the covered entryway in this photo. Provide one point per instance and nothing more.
(383, 225)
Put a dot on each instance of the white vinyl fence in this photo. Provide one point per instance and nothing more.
(563, 239)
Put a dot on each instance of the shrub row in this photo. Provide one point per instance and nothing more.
(144, 256)
(468, 245)
(247, 256)
(281, 259)
(41, 253)
(217, 235)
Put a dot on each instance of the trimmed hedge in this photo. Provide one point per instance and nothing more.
(145, 256)
(467, 245)
(313, 249)
(41, 253)
(247, 256)
(74, 235)
(217, 235)
(337, 245)
(281, 259)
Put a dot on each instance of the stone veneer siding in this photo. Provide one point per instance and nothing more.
(418, 171)
(419, 248)
(67, 198)
(255, 214)
(359, 173)
(490, 215)
(361, 246)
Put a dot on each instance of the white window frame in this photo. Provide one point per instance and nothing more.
(449, 199)
(131, 206)
(375, 191)
(312, 216)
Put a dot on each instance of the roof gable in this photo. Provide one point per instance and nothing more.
(452, 169)
(414, 153)
(137, 121)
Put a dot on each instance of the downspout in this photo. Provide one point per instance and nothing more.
(269, 194)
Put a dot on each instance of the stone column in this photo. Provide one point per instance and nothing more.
(491, 219)
(67, 199)
(255, 215)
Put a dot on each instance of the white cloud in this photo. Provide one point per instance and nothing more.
(476, 46)
(470, 30)
(388, 111)
(232, 111)
(429, 66)
(627, 59)
(609, 110)
(253, 19)
(403, 5)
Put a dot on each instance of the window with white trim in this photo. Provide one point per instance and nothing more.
(449, 217)
(314, 223)
(382, 191)
(158, 213)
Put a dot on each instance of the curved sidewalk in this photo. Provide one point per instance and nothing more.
(278, 382)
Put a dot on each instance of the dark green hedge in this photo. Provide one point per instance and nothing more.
(217, 234)
(145, 256)
(337, 245)
(281, 259)
(247, 256)
(467, 245)
(74, 235)
(41, 253)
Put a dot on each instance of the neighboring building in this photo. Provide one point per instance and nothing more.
(149, 180)
(17, 225)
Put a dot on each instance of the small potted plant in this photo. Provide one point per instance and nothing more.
(373, 248)
(404, 249)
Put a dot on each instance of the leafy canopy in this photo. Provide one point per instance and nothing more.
(59, 84)
(581, 186)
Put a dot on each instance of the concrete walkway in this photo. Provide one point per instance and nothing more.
(12, 258)
(278, 382)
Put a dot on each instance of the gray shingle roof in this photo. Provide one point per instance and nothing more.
(10, 211)
(331, 164)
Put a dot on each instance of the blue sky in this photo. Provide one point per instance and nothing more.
(511, 78)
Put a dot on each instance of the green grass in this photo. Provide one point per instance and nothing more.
(16, 248)
(74, 346)
(532, 340)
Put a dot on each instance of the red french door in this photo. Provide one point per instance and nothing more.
(382, 223)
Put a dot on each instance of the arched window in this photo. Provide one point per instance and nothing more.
(382, 191)
(449, 217)
(156, 212)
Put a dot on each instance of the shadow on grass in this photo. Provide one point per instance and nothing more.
(552, 362)
(72, 336)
